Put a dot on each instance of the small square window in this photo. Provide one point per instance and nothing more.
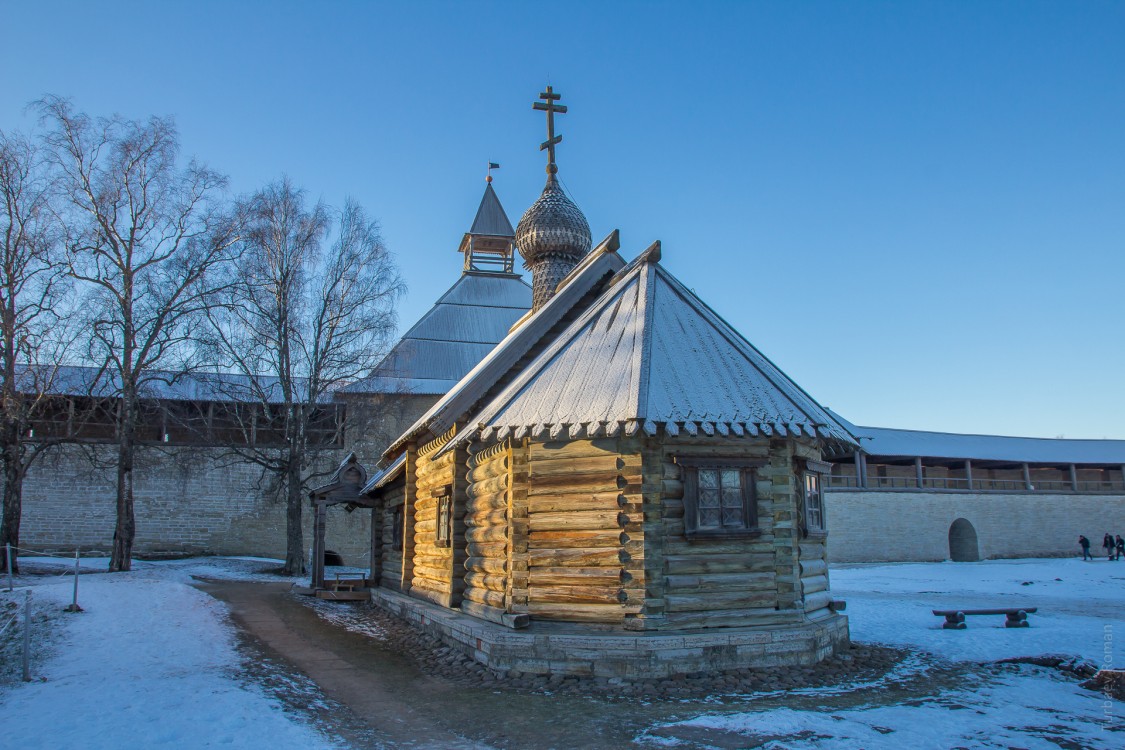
(718, 496)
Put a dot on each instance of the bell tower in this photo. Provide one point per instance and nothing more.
(489, 245)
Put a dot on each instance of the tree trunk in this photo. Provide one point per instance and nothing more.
(126, 530)
(294, 536)
(13, 497)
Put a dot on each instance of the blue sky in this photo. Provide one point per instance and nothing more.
(917, 210)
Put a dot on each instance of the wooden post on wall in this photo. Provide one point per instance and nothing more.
(1027, 478)
(969, 473)
(918, 471)
(1074, 478)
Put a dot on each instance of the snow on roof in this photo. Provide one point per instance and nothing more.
(453, 336)
(600, 262)
(649, 352)
(879, 441)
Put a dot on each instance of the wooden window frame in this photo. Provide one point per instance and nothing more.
(443, 530)
(690, 465)
(398, 527)
(820, 471)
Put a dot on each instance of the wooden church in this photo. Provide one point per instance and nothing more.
(623, 486)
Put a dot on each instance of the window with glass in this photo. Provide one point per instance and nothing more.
(718, 496)
(814, 504)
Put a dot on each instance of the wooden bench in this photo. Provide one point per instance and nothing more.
(955, 618)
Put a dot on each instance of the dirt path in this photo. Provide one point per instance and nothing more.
(406, 708)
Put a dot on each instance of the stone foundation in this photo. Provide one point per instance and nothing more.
(567, 649)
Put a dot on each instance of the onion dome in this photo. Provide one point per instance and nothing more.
(552, 237)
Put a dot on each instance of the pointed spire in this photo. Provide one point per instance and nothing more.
(488, 245)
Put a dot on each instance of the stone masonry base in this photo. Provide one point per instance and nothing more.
(567, 649)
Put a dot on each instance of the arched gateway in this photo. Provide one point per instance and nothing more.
(963, 545)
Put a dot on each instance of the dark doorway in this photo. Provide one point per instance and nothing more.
(963, 542)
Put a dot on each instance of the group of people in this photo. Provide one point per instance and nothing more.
(1114, 547)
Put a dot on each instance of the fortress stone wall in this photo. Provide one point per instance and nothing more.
(900, 526)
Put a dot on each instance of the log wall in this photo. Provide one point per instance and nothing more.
(432, 571)
(487, 543)
(733, 581)
(390, 574)
(585, 531)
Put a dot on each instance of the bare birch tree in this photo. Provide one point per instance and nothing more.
(32, 282)
(313, 309)
(149, 242)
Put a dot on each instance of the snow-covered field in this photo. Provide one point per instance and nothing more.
(154, 663)
(1081, 615)
(150, 663)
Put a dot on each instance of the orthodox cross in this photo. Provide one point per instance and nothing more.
(548, 105)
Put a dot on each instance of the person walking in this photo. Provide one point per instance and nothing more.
(1108, 545)
(1120, 546)
(1085, 544)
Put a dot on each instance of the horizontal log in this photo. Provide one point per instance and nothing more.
(812, 550)
(486, 581)
(439, 561)
(574, 577)
(719, 563)
(718, 600)
(574, 594)
(497, 565)
(483, 596)
(571, 502)
(477, 504)
(577, 465)
(496, 549)
(819, 600)
(718, 546)
(420, 584)
(593, 447)
(443, 575)
(424, 526)
(491, 518)
(577, 557)
(610, 613)
(672, 488)
(814, 584)
(573, 539)
(487, 534)
(669, 470)
(495, 467)
(721, 582)
(582, 483)
(587, 519)
(433, 475)
(490, 486)
(813, 567)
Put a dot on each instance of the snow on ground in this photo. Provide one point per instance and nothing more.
(1080, 603)
(151, 662)
(1081, 614)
